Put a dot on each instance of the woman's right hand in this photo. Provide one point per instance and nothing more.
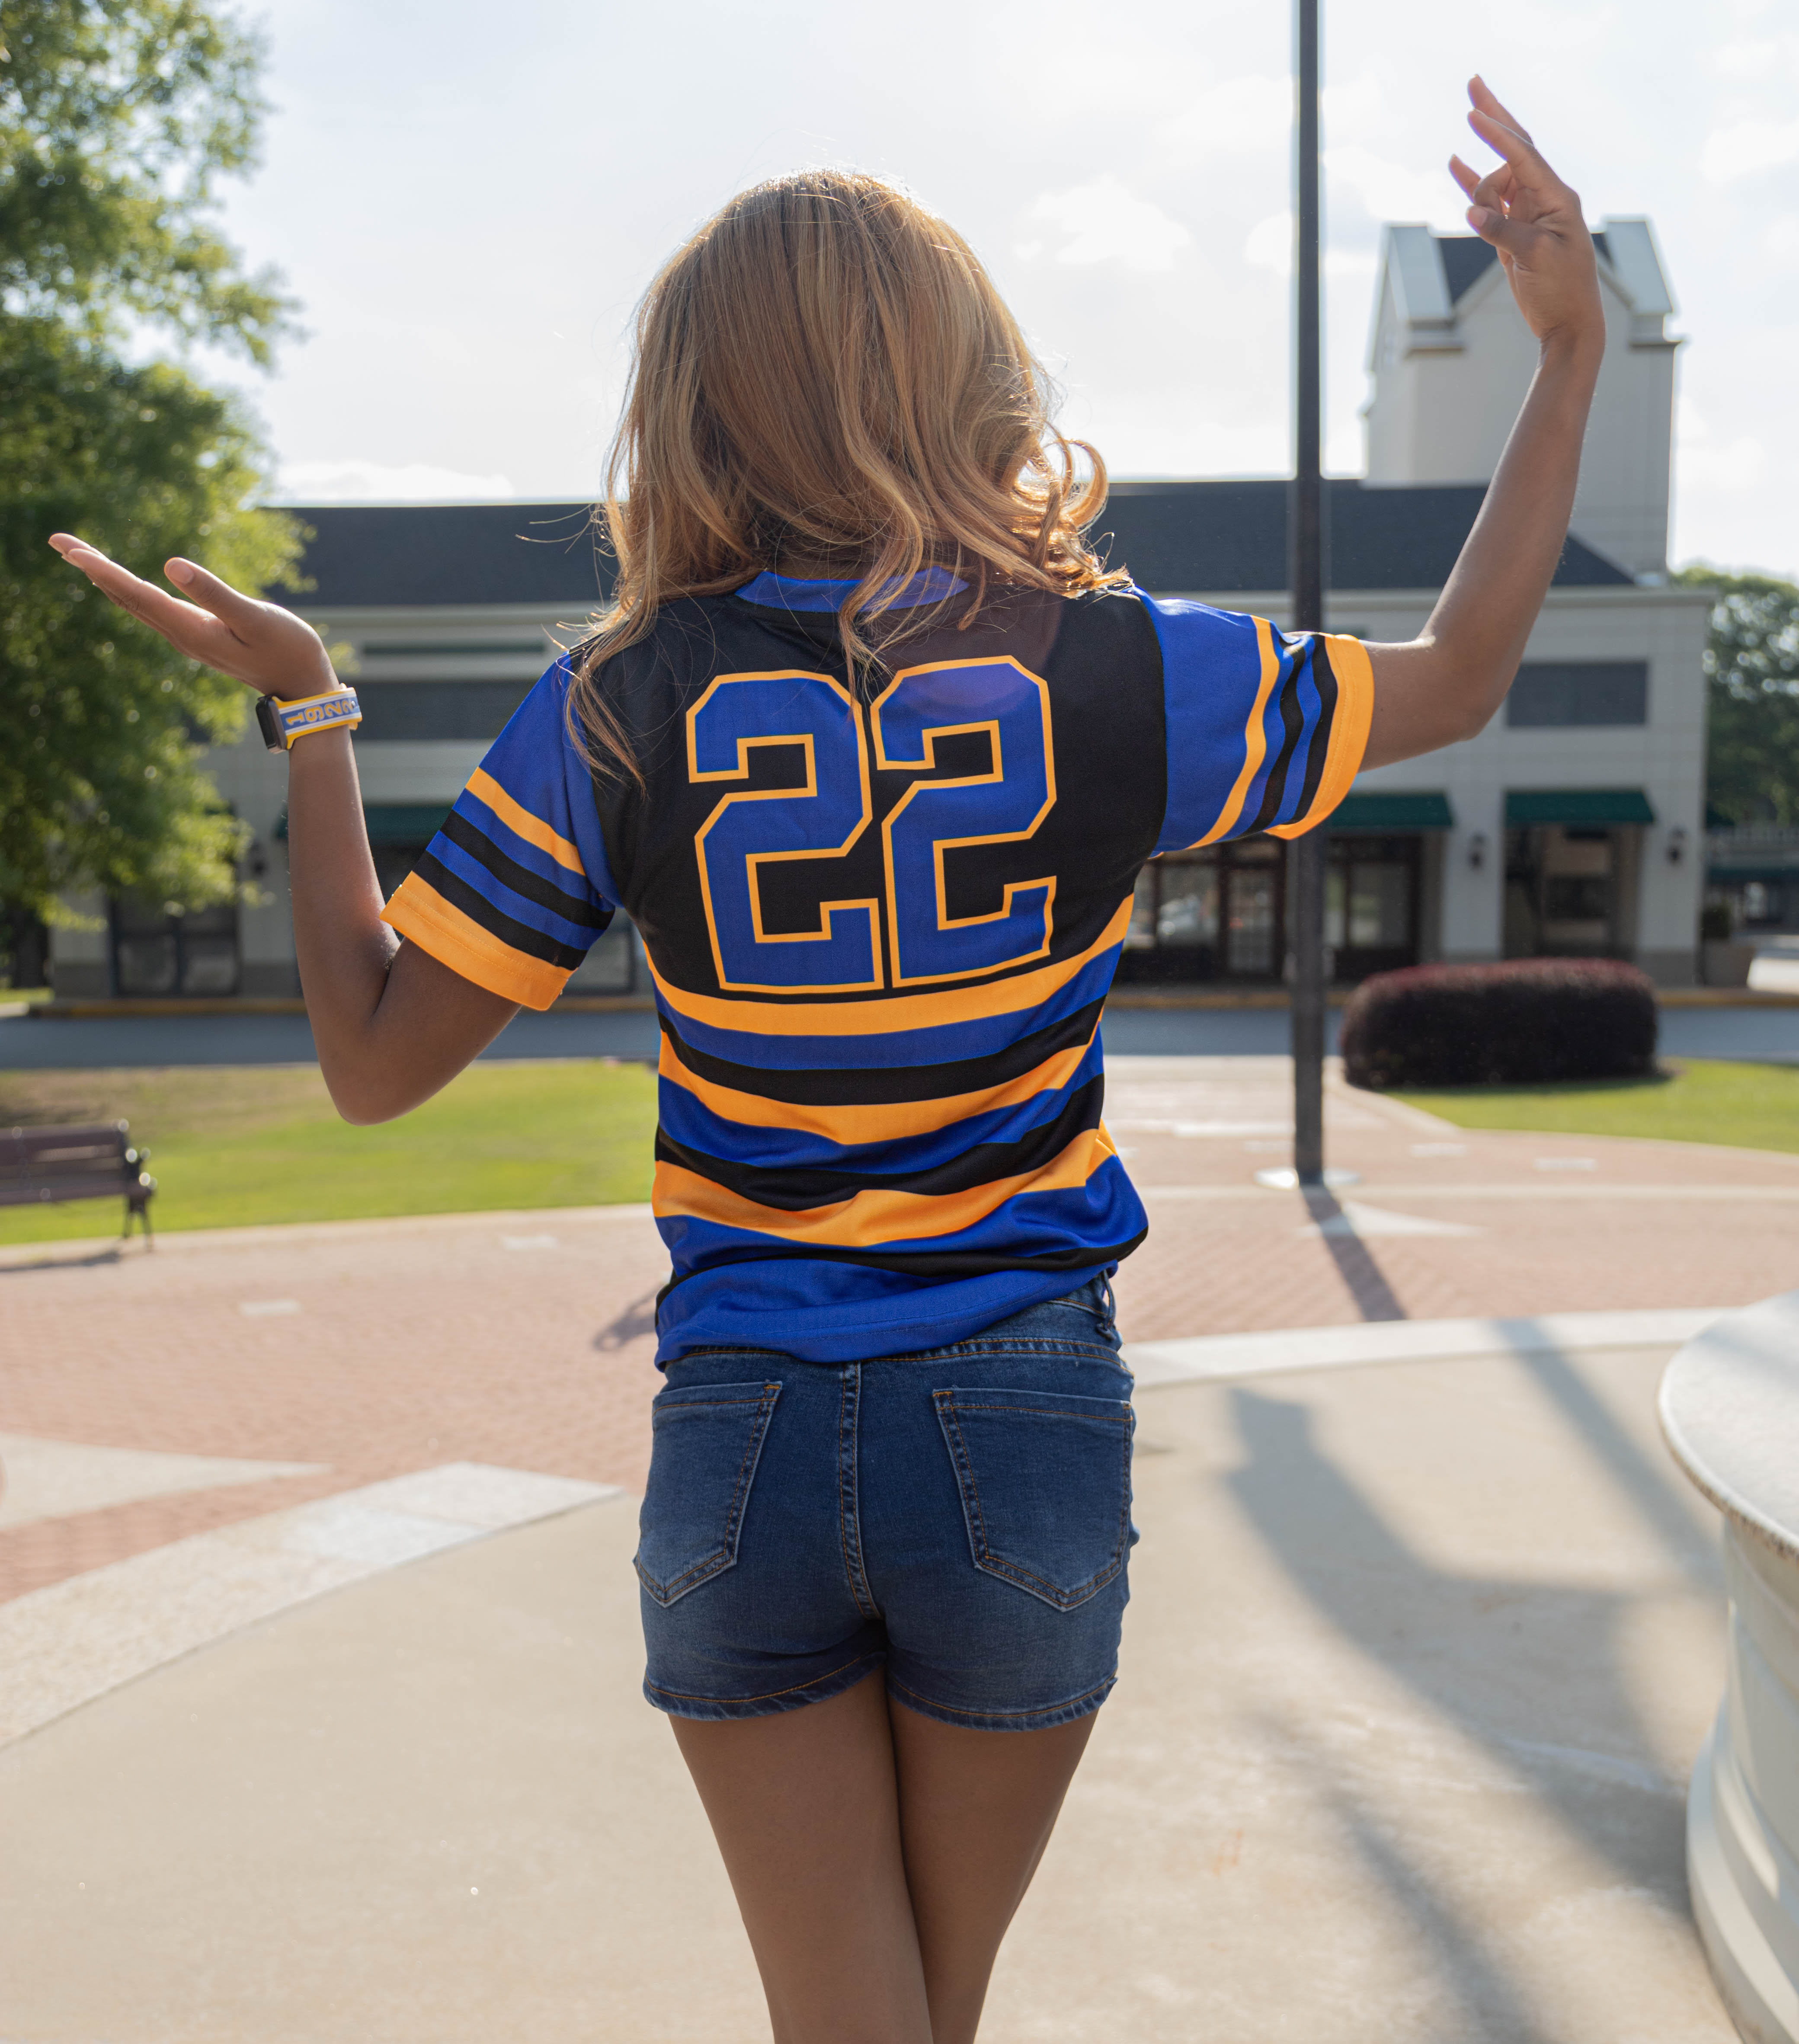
(260, 644)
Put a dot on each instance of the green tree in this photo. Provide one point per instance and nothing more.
(1752, 697)
(117, 119)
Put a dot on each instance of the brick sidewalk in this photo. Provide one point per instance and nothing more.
(525, 1340)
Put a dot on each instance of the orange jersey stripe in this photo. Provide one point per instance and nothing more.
(869, 1218)
(533, 829)
(885, 1122)
(903, 1011)
(1355, 712)
(422, 916)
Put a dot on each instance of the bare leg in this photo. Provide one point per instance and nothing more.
(803, 1806)
(976, 1811)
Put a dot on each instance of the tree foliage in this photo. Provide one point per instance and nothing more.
(1752, 707)
(118, 118)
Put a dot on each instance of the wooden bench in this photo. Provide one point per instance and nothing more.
(41, 1166)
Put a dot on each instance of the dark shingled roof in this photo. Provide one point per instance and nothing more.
(375, 554)
(1215, 537)
(1466, 258)
(1221, 536)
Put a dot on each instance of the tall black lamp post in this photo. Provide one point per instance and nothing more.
(1307, 855)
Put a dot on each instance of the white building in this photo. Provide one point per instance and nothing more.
(1571, 825)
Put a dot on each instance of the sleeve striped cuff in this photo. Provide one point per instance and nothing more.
(1348, 739)
(423, 917)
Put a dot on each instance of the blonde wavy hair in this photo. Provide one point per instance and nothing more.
(824, 378)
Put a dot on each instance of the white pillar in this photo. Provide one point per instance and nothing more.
(1730, 1410)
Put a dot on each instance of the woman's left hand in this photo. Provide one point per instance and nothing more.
(260, 644)
(1535, 222)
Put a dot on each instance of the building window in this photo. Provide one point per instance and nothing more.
(157, 953)
(1371, 904)
(1562, 694)
(415, 712)
(1562, 896)
(1215, 914)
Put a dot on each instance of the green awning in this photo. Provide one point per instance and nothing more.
(392, 823)
(1579, 806)
(1379, 810)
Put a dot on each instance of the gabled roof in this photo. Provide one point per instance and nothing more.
(1226, 536)
(1211, 538)
(1466, 258)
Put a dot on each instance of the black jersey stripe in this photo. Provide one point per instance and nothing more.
(1324, 680)
(797, 1189)
(890, 1085)
(572, 907)
(475, 905)
(1293, 723)
(943, 1263)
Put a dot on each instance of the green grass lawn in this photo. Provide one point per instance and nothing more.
(1698, 1100)
(241, 1145)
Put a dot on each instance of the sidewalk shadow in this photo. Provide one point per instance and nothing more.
(1531, 1671)
(1361, 1274)
(112, 1253)
(1489, 2006)
(638, 1318)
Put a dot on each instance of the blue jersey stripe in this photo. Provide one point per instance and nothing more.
(509, 902)
(691, 1123)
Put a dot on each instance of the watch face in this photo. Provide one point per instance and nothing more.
(269, 721)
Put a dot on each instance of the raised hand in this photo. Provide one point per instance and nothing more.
(268, 648)
(1535, 222)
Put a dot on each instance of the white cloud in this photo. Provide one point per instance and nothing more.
(1269, 246)
(372, 483)
(1705, 460)
(1746, 146)
(1240, 114)
(1105, 222)
(1389, 190)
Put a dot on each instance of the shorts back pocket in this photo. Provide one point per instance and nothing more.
(1046, 1486)
(706, 1443)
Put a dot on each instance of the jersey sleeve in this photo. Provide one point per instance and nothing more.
(513, 889)
(1265, 729)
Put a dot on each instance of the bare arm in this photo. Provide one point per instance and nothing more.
(391, 1024)
(1445, 684)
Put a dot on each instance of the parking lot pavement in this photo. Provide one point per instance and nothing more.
(1418, 1655)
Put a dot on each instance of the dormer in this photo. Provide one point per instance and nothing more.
(1451, 358)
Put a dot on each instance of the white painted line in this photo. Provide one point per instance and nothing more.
(267, 1309)
(1568, 1163)
(61, 1646)
(1213, 1357)
(1439, 1149)
(40, 1479)
(1354, 1218)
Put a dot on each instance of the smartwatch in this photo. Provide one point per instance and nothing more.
(282, 722)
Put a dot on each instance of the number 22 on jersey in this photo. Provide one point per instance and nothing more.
(825, 817)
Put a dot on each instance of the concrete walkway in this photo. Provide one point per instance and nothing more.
(1418, 1656)
(319, 1714)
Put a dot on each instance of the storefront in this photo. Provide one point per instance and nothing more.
(1220, 913)
(1573, 857)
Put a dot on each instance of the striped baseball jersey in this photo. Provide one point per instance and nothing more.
(882, 921)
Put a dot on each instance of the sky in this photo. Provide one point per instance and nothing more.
(468, 201)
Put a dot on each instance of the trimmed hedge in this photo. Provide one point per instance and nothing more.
(1522, 1023)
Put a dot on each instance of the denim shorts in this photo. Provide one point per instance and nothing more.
(961, 1517)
